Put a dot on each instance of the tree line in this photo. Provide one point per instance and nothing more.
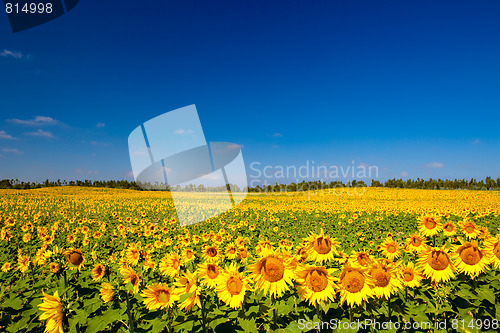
(433, 184)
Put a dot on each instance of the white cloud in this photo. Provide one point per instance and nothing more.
(12, 54)
(82, 171)
(182, 131)
(45, 134)
(4, 135)
(403, 174)
(37, 121)
(435, 165)
(277, 135)
(12, 150)
(100, 125)
(100, 143)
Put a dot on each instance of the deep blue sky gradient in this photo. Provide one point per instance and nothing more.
(412, 87)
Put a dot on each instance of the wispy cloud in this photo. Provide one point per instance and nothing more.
(277, 135)
(12, 150)
(100, 143)
(182, 131)
(12, 54)
(83, 171)
(45, 134)
(37, 121)
(99, 125)
(435, 165)
(4, 135)
(403, 174)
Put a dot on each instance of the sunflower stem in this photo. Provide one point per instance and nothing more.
(169, 319)
(203, 314)
(273, 300)
(389, 307)
(129, 314)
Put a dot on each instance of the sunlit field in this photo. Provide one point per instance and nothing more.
(107, 260)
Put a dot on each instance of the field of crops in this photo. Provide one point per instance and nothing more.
(107, 260)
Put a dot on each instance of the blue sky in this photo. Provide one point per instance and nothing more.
(410, 87)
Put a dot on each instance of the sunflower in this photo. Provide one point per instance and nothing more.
(54, 267)
(23, 263)
(361, 258)
(106, 292)
(470, 259)
(232, 286)
(415, 243)
(264, 247)
(449, 229)
(187, 255)
(187, 285)
(74, 257)
(243, 254)
(159, 296)
(170, 265)
(209, 273)
(430, 225)
(133, 254)
(212, 253)
(484, 233)
(129, 275)
(316, 284)
(98, 272)
(272, 273)
(320, 247)
(470, 229)
(6, 267)
(149, 264)
(436, 264)
(384, 275)
(231, 251)
(492, 249)
(52, 312)
(301, 253)
(390, 248)
(354, 285)
(410, 276)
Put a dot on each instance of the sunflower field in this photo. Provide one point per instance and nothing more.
(109, 260)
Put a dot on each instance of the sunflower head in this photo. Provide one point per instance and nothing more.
(410, 276)
(384, 277)
(98, 272)
(273, 273)
(354, 285)
(321, 247)
(316, 284)
(74, 257)
(430, 224)
(159, 296)
(470, 259)
(106, 292)
(436, 264)
(209, 274)
(232, 286)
